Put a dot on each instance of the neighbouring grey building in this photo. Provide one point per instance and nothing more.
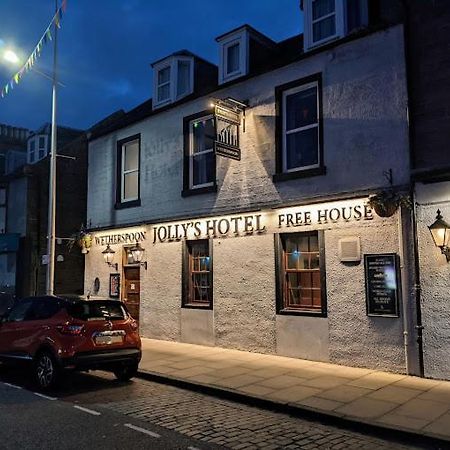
(233, 209)
(428, 36)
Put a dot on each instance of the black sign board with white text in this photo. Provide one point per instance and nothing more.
(382, 284)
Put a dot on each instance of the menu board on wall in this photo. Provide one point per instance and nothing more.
(114, 285)
(382, 284)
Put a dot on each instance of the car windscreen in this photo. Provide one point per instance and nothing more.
(97, 310)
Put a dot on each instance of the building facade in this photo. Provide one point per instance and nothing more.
(25, 200)
(236, 212)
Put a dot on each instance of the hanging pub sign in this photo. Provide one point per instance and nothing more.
(382, 281)
(228, 119)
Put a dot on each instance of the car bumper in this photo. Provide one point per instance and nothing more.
(102, 359)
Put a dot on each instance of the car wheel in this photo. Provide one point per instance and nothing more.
(45, 370)
(125, 373)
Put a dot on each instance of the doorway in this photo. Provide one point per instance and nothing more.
(131, 293)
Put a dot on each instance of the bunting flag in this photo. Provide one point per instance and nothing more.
(36, 53)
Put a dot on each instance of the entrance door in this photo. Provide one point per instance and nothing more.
(131, 292)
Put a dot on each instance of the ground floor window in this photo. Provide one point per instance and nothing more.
(300, 262)
(197, 274)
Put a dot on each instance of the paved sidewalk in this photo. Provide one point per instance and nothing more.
(371, 397)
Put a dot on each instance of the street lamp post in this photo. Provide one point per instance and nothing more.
(52, 182)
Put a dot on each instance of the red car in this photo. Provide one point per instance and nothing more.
(53, 333)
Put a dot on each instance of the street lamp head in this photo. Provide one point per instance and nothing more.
(108, 254)
(440, 231)
(10, 56)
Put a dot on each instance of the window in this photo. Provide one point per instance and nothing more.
(31, 151)
(233, 55)
(128, 183)
(301, 273)
(174, 79)
(42, 142)
(20, 311)
(183, 79)
(299, 129)
(2, 210)
(232, 58)
(326, 20)
(197, 274)
(164, 84)
(323, 20)
(44, 308)
(200, 160)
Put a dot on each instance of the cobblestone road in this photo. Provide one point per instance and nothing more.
(214, 421)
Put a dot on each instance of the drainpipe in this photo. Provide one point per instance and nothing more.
(412, 145)
(404, 289)
(417, 288)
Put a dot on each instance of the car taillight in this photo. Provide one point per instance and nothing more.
(133, 325)
(71, 330)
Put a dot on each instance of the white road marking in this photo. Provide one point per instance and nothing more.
(193, 448)
(86, 410)
(12, 385)
(44, 396)
(142, 430)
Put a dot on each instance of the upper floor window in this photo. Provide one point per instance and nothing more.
(233, 55)
(326, 20)
(200, 161)
(42, 146)
(301, 273)
(128, 173)
(299, 124)
(173, 79)
(163, 85)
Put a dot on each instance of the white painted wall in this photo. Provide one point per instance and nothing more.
(365, 133)
(244, 314)
(434, 280)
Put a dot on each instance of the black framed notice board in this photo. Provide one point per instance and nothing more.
(114, 285)
(382, 284)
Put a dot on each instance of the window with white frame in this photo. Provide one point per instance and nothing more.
(202, 133)
(163, 84)
(300, 128)
(128, 160)
(173, 79)
(42, 146)
(326, 20)
(233, 55)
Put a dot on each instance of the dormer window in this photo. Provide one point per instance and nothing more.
(163, 85)
(233, 55)
(327, 20)
(173, 80)
(241, 51)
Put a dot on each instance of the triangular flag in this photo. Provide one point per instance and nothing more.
(16, 78)
(48, 34)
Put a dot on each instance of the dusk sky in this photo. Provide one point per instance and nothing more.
(105, 48)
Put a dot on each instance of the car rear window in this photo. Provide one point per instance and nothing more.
(95, 310)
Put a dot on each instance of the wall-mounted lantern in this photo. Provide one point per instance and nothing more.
(137, 252)
(440, 230)
(108, 254)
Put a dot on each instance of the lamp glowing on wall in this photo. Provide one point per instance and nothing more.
(108, 255)
(440, 230)
(137, 252)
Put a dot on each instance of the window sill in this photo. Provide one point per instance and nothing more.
(294, 312)
(124, 205)
(286, 176)
(203, 190)
(202, 307)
